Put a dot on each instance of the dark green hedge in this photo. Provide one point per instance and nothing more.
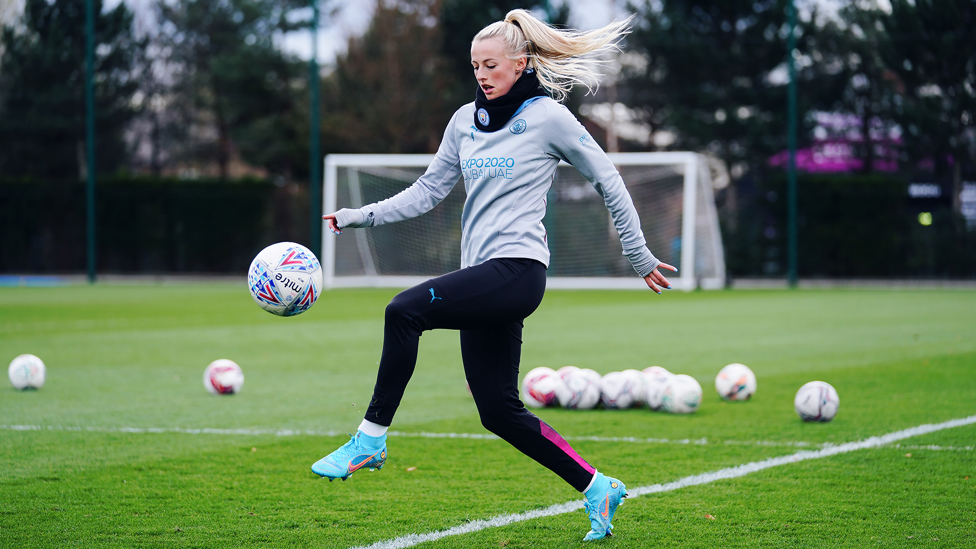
(849, 226)
(145, 225)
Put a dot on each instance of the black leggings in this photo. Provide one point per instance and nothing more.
(487, 303)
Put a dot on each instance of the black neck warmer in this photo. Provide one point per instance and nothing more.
(491, 115)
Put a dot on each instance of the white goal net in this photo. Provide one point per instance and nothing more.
(672, 193)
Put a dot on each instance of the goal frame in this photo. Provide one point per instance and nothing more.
(696, 177)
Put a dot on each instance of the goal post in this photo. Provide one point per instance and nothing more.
(671, 190)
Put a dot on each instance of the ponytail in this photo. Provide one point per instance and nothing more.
(556, 54)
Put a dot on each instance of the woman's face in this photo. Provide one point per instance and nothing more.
(495, 73)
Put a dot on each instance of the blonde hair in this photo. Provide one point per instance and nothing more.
(556, 54)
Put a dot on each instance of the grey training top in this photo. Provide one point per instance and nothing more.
(507, 174)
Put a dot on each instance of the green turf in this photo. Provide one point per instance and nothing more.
(123, 359)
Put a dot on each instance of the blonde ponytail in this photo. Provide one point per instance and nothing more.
(556, 54)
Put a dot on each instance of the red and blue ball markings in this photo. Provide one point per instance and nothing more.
(263, 286)
(295, 259)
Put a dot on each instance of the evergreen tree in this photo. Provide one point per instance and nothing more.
(267, 98)
(931, 47)
(233, 89)
(385, 94)
(846, 50)
(42, 91)
(714, 75)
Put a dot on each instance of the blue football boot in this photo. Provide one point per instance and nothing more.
(602, 500)
(361, 451)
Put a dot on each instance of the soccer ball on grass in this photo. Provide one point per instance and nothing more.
(580, 390)
(655, 380)
(682, 394)
(816, 401)
(27, 372)
(640, 382)
(735, 382)
(223, 377)
(539, 387)
(619, 390)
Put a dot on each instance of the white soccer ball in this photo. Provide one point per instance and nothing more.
(816, 401)
(619, 390)
(223, 377)
(27, 372)
(655, 380)
(682, 394)
(735, 382)
(640, 382)
(580, 390)
(285, 279)
(539, 387)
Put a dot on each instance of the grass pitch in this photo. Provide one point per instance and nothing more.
(123, 447)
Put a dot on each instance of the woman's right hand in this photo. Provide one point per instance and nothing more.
(333, 226)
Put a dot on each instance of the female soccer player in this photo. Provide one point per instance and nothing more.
(524, 133)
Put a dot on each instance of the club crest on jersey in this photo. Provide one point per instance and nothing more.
(483, 117)
(518, 127)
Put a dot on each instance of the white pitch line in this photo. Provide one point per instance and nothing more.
(424, 434)
(694, 480)
(935, 447)
(177, 430)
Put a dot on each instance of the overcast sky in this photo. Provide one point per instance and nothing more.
(353, 18)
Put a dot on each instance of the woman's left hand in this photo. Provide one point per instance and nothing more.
(656, 280)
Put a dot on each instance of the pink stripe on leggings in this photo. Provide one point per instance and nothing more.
(559, 441)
